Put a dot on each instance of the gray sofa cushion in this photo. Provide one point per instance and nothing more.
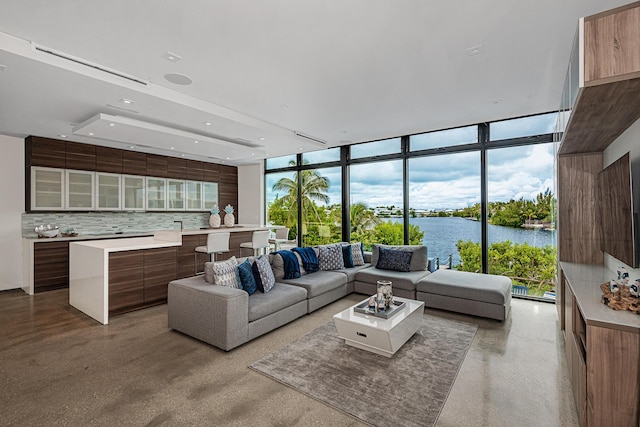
(472, 286)
(319, 282)
(418, 259)
(351, 272)
(279, 297)
(399, 279)
(277, 265)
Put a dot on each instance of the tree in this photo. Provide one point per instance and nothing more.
(362, 218)
(313, 189)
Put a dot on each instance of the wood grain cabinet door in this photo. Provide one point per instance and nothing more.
(51, 266)
(126, 281)
(159, 270)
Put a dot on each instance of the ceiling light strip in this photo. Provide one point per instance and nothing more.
(311, 138)
(87, 64)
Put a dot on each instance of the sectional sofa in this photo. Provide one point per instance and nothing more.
(227, 317)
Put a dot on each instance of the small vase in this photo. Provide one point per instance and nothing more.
(229, 220)
(384, 294)
(214, 220)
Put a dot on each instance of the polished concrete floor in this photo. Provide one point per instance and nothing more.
(58, 367)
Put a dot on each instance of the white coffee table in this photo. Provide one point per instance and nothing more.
(376, 334)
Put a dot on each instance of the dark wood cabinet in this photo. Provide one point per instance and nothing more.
(156, 166)
(176, 168)
(51, 266)
(45, 152)
(195, 170)
(80, 156)
(159, 270)
(186, 257)
(140, 278)
(126, 281)
(211, 172)
(134, 163)
(108, 160)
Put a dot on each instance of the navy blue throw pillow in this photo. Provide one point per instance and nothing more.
(347, 257)
(247, 281)
(392, 259)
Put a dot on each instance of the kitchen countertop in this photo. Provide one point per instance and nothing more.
(80, 237)
(131, 244)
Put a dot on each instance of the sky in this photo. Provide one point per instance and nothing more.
(448, 181)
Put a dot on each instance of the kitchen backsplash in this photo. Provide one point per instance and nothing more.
(111, 222)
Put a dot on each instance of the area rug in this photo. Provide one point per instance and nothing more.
(408, 389)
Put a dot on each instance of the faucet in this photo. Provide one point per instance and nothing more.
(181, 226)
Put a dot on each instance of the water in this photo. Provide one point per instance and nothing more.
(442, 234)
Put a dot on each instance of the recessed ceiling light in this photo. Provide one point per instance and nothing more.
(90, 133)
(169, 56)
(207, 123)
(132, 147)
(112, 124)
(299, 148)
(182, 155)
(252, 154)
(196, 141)
(62, 136)
(127, 101)
(261, 138)
(228, 158)
(179, 79)
(173, 148)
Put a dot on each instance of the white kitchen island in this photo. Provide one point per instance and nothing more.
(132, 272)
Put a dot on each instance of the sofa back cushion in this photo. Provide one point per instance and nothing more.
(224, 273)
(247, 281)
(277, 265)
(418, 258)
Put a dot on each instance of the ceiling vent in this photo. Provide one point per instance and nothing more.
(86, 63)
(311, 138)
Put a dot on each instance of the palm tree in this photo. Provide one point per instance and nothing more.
(362, 219)
(313, 189)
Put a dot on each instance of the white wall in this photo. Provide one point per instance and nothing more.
(11, 209)
(629, 141)
(251, 194)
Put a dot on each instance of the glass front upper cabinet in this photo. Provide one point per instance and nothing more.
(133, 192)
(194, 195)
(156, 194)
(176, 192)
(108, 191)
(79, 194)
(47, 189)
(209, 195)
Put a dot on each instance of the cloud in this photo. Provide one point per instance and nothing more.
(449, 181)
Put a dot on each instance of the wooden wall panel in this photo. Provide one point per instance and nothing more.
(134, 163)
(80, 156)
(211, 172)
(195, 170)
(228, 188)
(45, 152)
(156, 166)
(108, 160)
(578, 215)
(611, 42)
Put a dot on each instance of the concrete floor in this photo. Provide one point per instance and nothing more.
(58, 367)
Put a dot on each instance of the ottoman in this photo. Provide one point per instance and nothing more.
(484, 295)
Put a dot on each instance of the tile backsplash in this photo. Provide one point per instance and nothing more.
(111, 222)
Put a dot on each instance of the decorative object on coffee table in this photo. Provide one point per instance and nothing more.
(384, 294)
(229, 219)
(214, 218)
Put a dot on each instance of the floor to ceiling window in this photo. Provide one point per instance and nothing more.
(444, 195)
(438, 201)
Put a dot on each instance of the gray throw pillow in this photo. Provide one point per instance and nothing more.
(225, 273)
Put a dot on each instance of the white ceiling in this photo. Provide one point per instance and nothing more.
(340, 71)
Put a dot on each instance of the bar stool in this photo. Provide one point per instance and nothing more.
(282, 236)
(216, 243)
(259, 240)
